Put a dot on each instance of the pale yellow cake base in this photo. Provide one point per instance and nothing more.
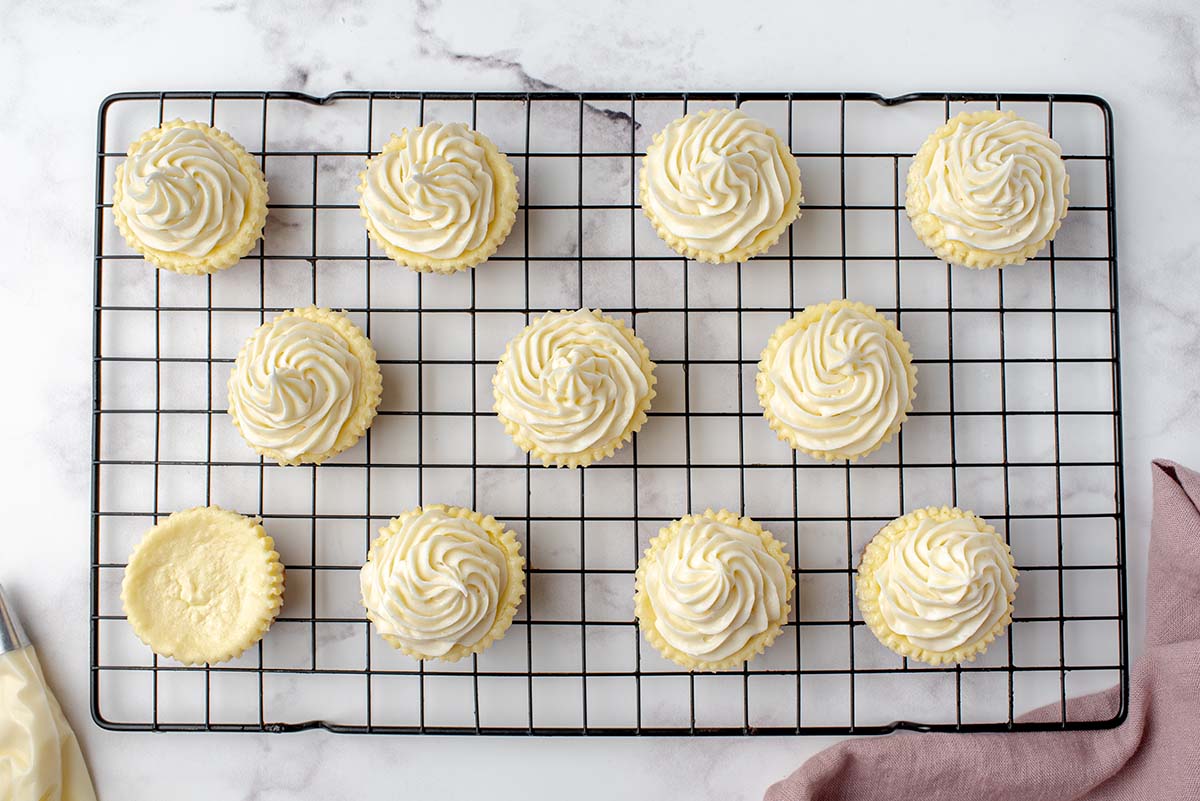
(762, 243)
(504, 193)
(514, 590)
(648, 621)
(929, 228)
(366, 395)
(765, 389)
(203, 585)
(867, 589)
(604, 450)
(227, 253)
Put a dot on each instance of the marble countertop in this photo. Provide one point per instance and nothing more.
(58, 60)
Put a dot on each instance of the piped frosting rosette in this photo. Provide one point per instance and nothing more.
(713, 590)
(573, 387)
(720, 186)
(987, 189)
(439, 198)
(189, 198)
(442, 582)
(937, 585)
(836, 381)
(304, 387)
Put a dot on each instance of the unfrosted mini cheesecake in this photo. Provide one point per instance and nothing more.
(203, 585)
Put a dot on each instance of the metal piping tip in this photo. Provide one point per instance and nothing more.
(12, 636)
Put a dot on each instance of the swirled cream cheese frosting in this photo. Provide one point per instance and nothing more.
(937, 585)
(304, 387)
(837, 380)
(713, 590)
(442, 582)
(189, 198)
(987, 189)
(439, 198)
(573, 387)
(719, 186)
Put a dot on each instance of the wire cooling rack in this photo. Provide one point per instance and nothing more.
(1017, 417)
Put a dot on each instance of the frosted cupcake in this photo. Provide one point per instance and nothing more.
(203, 585)
(987, 189)
(304, 387)
(713, 590)
(719, 186)
(189, 198)
(937, 585)
(836, 381)
(439, 198)
(442, 582)
(573, 387)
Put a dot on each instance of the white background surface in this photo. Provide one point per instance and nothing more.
(57, 60)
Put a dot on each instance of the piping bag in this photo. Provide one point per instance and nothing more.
(40, 758)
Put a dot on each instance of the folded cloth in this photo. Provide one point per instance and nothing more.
(1154, 754)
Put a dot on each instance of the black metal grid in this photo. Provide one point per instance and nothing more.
(786, 678)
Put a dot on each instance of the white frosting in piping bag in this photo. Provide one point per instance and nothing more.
(40, 758)
(997, 185)
(184, 193)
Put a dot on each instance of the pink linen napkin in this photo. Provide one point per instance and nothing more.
(1155, 754)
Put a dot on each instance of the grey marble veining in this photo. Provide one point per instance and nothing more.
(57, 60)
